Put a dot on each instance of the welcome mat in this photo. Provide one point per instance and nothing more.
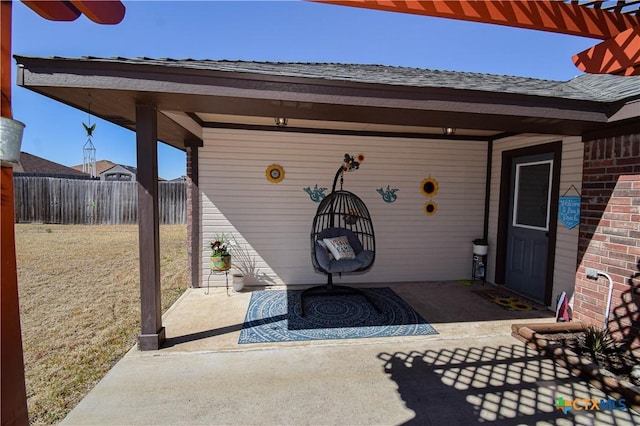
(507, 300)
(274, 316)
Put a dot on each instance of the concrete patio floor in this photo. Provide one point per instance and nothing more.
(473, 371)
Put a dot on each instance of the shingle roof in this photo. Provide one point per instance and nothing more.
(588, 87)
(101, 166)
(32, 164)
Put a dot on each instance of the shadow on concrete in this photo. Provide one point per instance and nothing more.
(505, 385)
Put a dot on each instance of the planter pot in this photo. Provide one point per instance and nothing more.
(10, 139)
(221, 263)
(481, 250)
(238, 282)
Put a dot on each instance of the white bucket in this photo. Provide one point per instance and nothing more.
(480, 250)
(238, 282)
(10, 139)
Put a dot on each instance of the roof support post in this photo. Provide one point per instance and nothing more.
(13, 394)
(193, 215)
(152, 332)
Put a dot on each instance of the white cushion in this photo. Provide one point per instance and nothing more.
(340, 248)
(324, 246)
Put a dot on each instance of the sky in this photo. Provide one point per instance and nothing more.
(286, 31)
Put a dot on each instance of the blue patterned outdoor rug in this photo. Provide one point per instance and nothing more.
(274, 316)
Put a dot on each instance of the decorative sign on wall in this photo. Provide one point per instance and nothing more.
(388, 195)
(275, 173)
(316, 194)
(569, 209)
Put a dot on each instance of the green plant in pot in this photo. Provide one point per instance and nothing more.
(220, 256)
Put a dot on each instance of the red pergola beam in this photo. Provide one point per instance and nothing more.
(617, 55)
(543, 15)
(53, 10)
(99, 11)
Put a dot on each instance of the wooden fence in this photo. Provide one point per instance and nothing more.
(92, 202)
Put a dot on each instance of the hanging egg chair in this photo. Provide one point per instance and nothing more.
(342, 238)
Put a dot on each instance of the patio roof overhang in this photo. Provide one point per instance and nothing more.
(189, 97)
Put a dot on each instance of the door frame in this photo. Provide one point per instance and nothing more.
(504, 206)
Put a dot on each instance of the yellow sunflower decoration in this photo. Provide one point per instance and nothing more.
(430, 208)
(275, 173)
(429, 187)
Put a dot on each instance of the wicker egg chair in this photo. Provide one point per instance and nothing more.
(341, 214)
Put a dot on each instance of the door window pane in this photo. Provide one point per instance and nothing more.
(533, 185)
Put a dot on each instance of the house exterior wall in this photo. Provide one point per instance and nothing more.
(273, 220)
(567, 239)
(118, 170)
(610, 234)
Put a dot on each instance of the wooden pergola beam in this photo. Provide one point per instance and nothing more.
(100, 11)
(617, 55)
(108, 12)
(53, 10)
(13, 394)
(542, 15)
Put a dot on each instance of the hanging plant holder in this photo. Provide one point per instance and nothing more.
(10, 139)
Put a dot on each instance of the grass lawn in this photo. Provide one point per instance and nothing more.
(80, 305)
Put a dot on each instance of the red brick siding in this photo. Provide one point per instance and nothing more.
(610, 234)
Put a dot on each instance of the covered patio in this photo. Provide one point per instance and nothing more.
(508, 118)
(472, 371)
(236, 119)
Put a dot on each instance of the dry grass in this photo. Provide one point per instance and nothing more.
(80, 305)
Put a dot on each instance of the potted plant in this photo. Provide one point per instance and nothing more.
(220, 256)
(480, 246)
(243, 263)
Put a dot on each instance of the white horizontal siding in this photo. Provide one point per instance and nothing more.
(570, 174)
(274, 220)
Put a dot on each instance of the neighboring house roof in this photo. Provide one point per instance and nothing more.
(33, 165)
(131, 169)
(598, 88)
(128, 168)
(101, 166)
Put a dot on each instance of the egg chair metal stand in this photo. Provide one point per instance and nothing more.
(341, 214)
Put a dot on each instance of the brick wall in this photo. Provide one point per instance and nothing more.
(610, 234)
(193, 216)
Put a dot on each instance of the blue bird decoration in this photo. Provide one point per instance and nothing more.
(316, 194)
(388, 195)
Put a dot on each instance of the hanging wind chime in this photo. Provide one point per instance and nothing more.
(88, 149)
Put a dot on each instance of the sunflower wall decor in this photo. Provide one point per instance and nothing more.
(429, 187)
(275, 173)
(430, 208)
